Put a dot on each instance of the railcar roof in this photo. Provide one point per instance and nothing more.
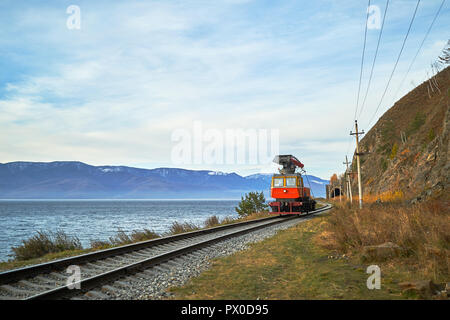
(277, 175)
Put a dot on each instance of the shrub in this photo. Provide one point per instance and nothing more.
(418, 121)
(421, 230)
(228, 220)
(394, 151)
(383, 164)
(431, 135)
(182, 227)
(99, 244)
(143, 235)
(252, 203)
(44, 243)
(122, 238)
(388, 131)
(333, 178)
(211, 222)
(384, 149)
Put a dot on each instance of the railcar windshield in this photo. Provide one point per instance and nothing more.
(278, 182)
(291, 182)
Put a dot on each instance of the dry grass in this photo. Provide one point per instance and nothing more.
(387, 196)
(211, 222)
(45, 243)
(286, 266)
(182, 227)
(122, 238)
(47, 246)
(256, 215)
(422, 230)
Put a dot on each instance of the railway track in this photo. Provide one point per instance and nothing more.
(98, 269)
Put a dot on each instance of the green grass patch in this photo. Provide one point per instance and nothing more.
(418, 121)
(287, 266)
(383, 164)
(14, 264)
(394, 151)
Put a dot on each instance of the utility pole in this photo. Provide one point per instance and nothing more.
(350, 190)
(356, 134)
(349, 183)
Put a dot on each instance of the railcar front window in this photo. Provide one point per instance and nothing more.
(278, 182)
(291, 182)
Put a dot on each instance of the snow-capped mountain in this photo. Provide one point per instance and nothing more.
(71, 179)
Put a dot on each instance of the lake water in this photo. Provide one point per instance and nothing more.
(99, 219)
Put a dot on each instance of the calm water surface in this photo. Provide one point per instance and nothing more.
(99, 219)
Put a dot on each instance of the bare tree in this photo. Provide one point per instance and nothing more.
(444, 58)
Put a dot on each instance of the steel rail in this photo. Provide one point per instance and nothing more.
(20, 273)
(132, 268)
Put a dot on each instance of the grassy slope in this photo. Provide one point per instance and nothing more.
(289, 265)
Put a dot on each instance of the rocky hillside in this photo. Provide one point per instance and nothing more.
(408, 146)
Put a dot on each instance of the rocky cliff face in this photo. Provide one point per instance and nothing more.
(408, 146)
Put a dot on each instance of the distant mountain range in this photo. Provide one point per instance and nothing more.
(77, 180)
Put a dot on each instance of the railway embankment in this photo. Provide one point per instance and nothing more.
(334, 255)
(136, 271)
(45, 246)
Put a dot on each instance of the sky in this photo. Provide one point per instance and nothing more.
(131, 82)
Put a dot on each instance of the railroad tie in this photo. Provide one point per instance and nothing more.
(139, 254)
(35, 285)
(17, 291)
(160, 269)
(122, 284)
(130, 256)
(149, 272)
(111, 289)
(149, 251)
(8, 298)
(94, 266)
(49, 281)
(59, 275)
(79, 298)
(97, 295)
(106, 264)
(145, 275)
(172, 263)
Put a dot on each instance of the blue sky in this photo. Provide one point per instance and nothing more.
(115, 90)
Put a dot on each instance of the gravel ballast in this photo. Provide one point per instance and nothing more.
(153, 283)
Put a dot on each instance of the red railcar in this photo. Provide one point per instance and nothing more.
(288, 190)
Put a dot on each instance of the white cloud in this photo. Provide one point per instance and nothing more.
(112, 92)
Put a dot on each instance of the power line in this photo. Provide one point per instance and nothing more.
(349, 144)
(420, 47)
(361, 70)
(310, 187)
(374, 59)
(396, 63)
(362, 60)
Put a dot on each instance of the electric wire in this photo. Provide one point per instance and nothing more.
(374, 59)
(362, 60)
(418, 50)
(361, 69)
(396, 62)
